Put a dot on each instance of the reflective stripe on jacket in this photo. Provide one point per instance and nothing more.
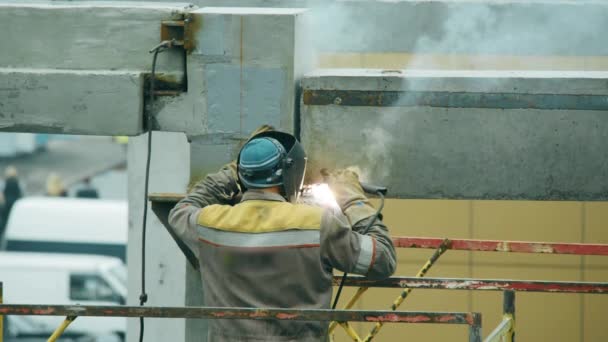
(266, 252)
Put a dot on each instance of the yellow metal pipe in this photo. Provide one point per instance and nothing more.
(61, 328)
(350, 304)
(350, 331)
(421, 273)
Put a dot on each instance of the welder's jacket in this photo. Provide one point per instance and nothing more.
(268, 253)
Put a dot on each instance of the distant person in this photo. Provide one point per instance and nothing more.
(11, 193)
(87, 190)
(54, 186)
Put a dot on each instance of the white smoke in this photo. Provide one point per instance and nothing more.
(515, 32)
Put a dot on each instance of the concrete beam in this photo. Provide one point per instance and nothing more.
(434, 144)
(89, 35)
(77, 67)
(71, 101)
(453, 27)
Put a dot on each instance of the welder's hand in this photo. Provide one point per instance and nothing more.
(344, 184)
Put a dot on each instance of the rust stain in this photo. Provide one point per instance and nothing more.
(504, 246)
(44, 311)
(307, 96)
(286, 316)
(399, 318)
(192, 27)
(418, 319)
(259, 313)
(446, 318)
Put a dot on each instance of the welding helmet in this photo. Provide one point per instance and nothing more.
(273, 159)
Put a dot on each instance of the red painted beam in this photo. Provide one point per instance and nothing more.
(504, 246)
(468, 318)
(477, 284)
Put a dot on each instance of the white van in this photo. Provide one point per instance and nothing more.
(53, 278)
(68, 225)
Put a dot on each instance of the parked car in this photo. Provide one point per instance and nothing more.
(68, 225)
(53, 278)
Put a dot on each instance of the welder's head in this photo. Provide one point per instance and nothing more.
(272, 159)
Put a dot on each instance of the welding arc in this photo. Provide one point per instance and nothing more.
(380, 191)
(143, 296)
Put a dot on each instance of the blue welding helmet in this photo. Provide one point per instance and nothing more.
(273, 159)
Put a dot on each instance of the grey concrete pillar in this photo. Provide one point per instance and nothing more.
(244, 72)
(169, 280)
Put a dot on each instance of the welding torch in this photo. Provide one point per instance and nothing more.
(373, 189)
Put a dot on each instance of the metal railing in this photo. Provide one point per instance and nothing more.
(505, 331)
(471, 319)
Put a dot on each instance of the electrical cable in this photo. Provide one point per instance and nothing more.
(365, 231)
(143, 296)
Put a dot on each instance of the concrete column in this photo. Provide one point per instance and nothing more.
(244, 71)
(242, 74)
(167, 271)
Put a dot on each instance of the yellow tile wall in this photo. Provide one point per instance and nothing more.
(540, 316)
(389, 60)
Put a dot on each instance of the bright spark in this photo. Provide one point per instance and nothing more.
(322, 195)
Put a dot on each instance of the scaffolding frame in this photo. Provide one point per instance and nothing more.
(505, 331)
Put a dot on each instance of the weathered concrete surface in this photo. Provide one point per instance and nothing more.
(77, 67)
(488, 27)
(170, 280)
(243, 72)
(71, 101)
(476, 152)
(94, 35)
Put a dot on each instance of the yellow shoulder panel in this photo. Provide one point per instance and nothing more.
(255, 216)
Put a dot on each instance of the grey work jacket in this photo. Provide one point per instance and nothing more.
(265, 252)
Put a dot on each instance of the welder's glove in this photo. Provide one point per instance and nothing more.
(349, 195)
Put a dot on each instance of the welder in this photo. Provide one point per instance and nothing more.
(258, 247)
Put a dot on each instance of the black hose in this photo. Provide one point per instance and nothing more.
(143, 296)
(380, 194)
